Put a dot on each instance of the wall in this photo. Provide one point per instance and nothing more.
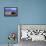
(29, 12)
(33, 12)
(7, 24)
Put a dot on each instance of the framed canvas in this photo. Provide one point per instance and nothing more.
(10, 11)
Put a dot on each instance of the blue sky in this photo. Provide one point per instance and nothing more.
(10, 9)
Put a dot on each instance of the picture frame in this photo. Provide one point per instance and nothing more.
(10, 11)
